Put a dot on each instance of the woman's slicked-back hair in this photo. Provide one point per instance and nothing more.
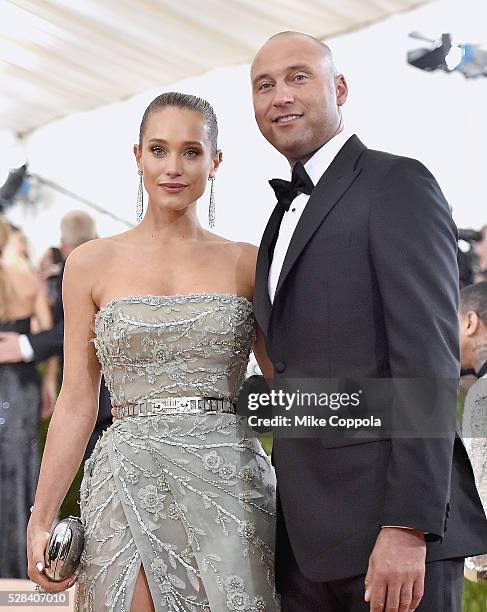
(189, 102)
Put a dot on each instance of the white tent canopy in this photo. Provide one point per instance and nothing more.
(58, 57)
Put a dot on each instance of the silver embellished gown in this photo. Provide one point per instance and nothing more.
(191, 497)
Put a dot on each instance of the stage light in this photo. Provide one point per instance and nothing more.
(11, 187)
(450, 56)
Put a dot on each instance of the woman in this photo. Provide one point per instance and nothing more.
(16, 251)
(21, 299)
(50, 270)
(178, 504)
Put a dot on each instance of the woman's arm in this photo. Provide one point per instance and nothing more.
(75, 412)
(49, 387)
(260, 352)
(246, 268)
(42, 310)
(43, 320)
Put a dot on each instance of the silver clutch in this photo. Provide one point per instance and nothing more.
(63, 551)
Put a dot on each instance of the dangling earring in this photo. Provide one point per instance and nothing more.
(140, 199)
(211, 209)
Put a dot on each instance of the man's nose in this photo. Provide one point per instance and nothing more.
(282, 95)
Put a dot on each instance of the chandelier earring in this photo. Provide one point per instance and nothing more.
(211, 209)
(140, 199)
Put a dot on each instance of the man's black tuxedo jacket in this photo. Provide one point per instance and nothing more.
(368, 288)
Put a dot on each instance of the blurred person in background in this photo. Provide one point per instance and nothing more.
(77, 227)
(22, 298)
(480, 277)
(16, 251)
(473, 353)
(49, 269)
(480, 249)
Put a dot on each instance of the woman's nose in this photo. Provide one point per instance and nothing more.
(173, 166)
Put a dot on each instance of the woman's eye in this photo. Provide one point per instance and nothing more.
(192, 153)
(158, 151)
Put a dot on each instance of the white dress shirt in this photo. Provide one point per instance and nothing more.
(315, 167)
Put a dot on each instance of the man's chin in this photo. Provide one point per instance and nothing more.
(293, 151)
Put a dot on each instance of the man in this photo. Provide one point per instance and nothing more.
(357, 276)
(77, 227)
(473, 354)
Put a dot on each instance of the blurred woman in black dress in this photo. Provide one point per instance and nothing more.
(23, 299)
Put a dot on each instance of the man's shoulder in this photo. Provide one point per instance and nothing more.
(384, 170)
(385, 161)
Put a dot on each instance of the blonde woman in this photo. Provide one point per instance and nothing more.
(22, 298)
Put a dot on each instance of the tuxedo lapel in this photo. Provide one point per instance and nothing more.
(262, 302)
(332, 185)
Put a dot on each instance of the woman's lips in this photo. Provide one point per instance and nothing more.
(172, 187)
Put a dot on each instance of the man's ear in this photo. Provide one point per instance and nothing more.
(473, 322)
(342, 90)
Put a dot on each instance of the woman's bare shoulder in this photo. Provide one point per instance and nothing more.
(90, 255)
(247, 251)
(246, 260)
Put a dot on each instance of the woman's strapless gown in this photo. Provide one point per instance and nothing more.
(191, 497)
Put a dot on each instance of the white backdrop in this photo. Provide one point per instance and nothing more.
(437, 118)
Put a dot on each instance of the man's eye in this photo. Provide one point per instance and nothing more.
(300, 76)
(264, 86)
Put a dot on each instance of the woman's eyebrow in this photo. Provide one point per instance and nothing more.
(186, 142)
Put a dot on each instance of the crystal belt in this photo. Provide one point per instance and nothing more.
(175, 405)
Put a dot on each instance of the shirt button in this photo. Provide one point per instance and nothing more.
(280, 366)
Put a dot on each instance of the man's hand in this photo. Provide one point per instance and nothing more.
(395, 576)
(10, 348)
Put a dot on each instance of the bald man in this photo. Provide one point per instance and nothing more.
(357, 277)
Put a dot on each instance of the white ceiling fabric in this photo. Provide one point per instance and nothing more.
(58, 57)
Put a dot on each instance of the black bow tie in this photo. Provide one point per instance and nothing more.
(286, 191)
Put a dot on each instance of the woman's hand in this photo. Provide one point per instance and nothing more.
(37, 539)
(115, 408)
